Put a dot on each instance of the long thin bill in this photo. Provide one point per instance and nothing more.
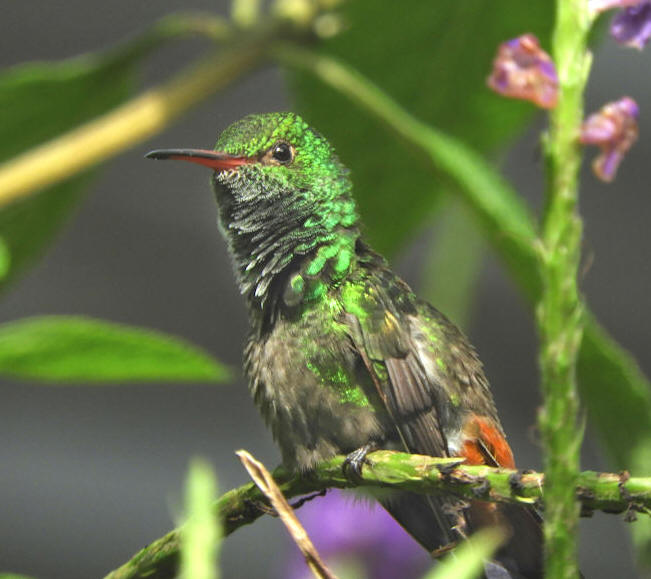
(214, 159)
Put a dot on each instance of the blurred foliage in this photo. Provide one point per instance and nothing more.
(201, 530)
(76, 349)
(5, 259)
(451, 272)
(40, 101)
(434, 61)
(468, 562)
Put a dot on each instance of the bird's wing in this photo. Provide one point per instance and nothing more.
(421, 365)
(432, 385)
(401, 383)
(380, 316)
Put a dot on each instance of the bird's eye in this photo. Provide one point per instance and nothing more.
(282, 153)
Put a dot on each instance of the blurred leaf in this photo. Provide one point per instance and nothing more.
(453, 262)
(13, 576)
(433, 58)
(617, 396)
(469, 557)
(5, 259)
(42, 100)
(201, 532)
(30, 225)
(76, 349)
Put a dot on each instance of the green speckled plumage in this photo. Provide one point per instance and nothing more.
(331, 323)
(341, 353)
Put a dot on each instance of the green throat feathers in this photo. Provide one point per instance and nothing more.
(292, 231)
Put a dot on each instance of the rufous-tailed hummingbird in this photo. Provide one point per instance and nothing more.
(342, 356)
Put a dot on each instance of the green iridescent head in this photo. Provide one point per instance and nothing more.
(285, 151)
(282, 194)
(278, 148)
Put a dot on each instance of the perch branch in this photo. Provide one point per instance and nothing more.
(611, 493)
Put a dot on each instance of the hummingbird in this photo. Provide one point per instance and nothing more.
(342, 357)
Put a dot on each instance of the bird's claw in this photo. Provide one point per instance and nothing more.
(482, 489)
(448, 467)
(515, 482)
(300, 502)
(352, 467)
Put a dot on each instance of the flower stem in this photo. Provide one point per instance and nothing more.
(560, 312)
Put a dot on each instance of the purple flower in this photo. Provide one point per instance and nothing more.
(632, 26)
(348, 531)
(603, 5)
(614, 130)
(522, 70)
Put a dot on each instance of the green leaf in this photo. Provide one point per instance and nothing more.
(42, 100)
(454, 260)
(77, 349)
(618, 399)
(432, 57)
(201, 533)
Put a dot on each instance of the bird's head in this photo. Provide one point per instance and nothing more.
(269, 156)
(282, 194)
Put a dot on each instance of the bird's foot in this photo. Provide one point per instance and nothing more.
(352, 467)
(448, 467)
(482, 489)
(515, 482)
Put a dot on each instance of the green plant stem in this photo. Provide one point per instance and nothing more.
(560, 312)
(423, 474)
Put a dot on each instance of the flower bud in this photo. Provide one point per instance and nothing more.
(522, 70)
(613, 129)
(632, 26)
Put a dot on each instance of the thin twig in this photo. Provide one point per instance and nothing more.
(265, 482)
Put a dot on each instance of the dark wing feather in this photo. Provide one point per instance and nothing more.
(417, 417)
(382, 335)
(383, 341)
